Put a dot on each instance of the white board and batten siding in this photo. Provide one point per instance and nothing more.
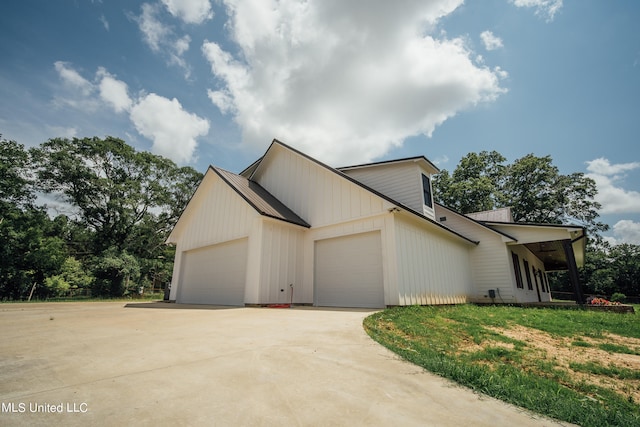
(319, 196)
(282, 263)
(525, 294)
(401, 182)
(215, 214)
(432, 269)
(490, 259)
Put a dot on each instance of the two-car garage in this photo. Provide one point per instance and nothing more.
(347, 273)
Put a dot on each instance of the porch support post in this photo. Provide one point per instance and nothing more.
(573, 270)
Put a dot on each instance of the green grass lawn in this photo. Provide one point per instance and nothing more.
(573, 365)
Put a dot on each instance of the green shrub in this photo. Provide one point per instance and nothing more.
(618, 297)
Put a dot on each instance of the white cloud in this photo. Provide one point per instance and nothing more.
(441, 160)
(161, 38)
(113, 91)
(153, 31)
(222, 100)
(72, 78)
(173, 130)
(344, 81)
(105, 23)
(625, 231)
(612, 197)
(602, 166)
(490, 41)
(190, 11)
(547, 8)
(63, 132)
(76, 91)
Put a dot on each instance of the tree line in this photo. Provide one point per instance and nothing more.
(115, 207)
(537, 192)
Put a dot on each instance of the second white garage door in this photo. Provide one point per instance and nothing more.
(214, 274)
(348, 271)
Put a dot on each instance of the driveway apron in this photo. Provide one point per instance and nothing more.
(187, 365)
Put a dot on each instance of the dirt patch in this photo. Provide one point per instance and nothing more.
(561, 352)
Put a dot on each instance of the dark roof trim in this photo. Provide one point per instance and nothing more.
(292, 219)
(358, 183)
(481, 224)
(383, 162)
(249, 169)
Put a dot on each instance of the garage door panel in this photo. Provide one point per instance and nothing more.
(348, 271)
(215, 274)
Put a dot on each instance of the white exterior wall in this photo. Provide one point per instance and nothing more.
(401, 181)
(432, 269)
(490, 259)
(282, 263)
(317, 195)
(524, 294)
(215, 214)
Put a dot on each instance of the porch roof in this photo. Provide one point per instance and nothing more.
(545, 241)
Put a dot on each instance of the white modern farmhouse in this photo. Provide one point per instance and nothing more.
(292, 229)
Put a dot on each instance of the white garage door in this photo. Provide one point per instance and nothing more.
(348, 271)
(214, 274)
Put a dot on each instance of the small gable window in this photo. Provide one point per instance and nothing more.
(426, 190)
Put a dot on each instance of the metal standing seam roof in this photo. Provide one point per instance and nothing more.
(259, 198)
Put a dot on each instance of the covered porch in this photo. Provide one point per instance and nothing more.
(558, 247)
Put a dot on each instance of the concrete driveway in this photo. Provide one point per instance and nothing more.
(168, 364)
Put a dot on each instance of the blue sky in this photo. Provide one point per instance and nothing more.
(213, 82)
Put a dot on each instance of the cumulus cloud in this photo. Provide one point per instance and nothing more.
(625, 231)
(490, 41)
(602, 166)
(72, 78)
(113, 91)
(172, 129)
(344, 81)
(546, 8)
(76, 92)
(161, 38)
(190, 11)
(608, 177)
(154, 32)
